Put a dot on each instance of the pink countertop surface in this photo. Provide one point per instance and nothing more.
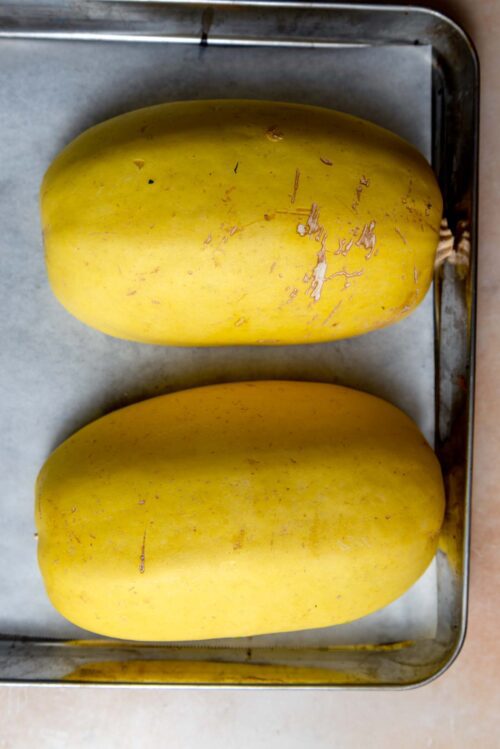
(460, 709)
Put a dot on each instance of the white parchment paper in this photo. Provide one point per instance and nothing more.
(57, 375)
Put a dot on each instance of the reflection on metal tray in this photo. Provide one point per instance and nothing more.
(66, 66)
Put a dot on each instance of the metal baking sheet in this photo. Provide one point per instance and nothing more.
(61, 72)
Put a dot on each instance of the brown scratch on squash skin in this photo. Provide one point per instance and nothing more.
(321, 235)
(344, 247)
(240, 322)
(318, 276)
(273, 266)
(292, 295)
(139, 163)
(415, 274)
(407, 197)
(142, 558)
(347, 276)
(295, 186)
(325, 161)
(368, 240)
(400, 234)
(295, 212)
(312, 228)
(331, 314)
(363, 182)
(208, 239)
(312, 225)
(131, 293)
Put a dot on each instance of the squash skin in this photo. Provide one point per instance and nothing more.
(237, 509)
(239, 222)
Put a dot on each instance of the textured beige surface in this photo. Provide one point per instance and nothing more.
(459, 710)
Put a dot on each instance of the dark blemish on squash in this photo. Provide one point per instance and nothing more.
(388, 517)
(239, 540)
(227, 194)
(131, 293)
(139, 163)
(142, 558)
(325, 161)
(151, 181)
(295, 186)
(274, 134)
(235, 170)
